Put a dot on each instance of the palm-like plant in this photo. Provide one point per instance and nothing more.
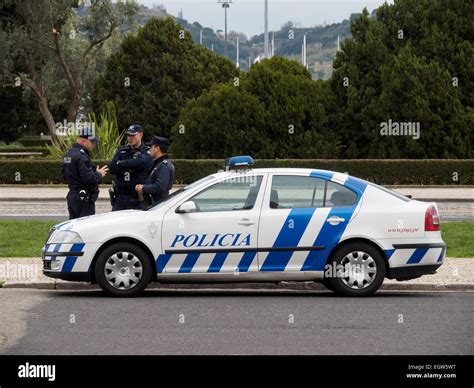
(106, 131)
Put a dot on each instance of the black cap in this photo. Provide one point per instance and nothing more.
(88, 133)
(160, 141)
(134, 129)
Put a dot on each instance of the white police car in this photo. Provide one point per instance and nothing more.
(240, 225)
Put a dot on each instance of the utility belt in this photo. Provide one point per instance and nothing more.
(85, 194)
(114, 192)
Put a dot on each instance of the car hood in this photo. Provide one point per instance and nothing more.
(103, 218)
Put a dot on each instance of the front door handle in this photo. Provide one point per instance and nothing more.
(246, 222)
(335, 220)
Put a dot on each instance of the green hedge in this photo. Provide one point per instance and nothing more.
(34, 141)
(386, 172)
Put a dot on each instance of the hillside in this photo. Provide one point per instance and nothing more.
(321, 41)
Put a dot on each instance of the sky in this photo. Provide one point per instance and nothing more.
(247, 15)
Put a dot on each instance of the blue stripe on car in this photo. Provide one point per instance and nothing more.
(289, 236)
(330, 235)
(389, 253)
(322, 174)
(246, 260)
(417, 255)
(441, 255)
(218, 262)
(161, 262)
(71, 260)
(189, 262)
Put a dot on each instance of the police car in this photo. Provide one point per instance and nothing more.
(255, 225)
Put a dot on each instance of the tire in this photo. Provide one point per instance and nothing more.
(367, 274)
(327, 284)
(123, 270)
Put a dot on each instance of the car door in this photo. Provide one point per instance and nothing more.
(220, 236)
(299, 224)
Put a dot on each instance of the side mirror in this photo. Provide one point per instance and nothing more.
(187, 207)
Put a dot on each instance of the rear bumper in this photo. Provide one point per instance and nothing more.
(412, 272)
(70, 276)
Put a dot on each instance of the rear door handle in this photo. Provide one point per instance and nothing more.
(246, 222)
(335, 220)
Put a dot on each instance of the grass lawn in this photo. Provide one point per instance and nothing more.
(23, 238)
(26, 238)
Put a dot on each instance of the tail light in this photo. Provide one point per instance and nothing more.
(431, 219)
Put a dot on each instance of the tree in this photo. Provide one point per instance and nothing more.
(277, 111)
(409, 62)
(156, 72)
(297, 109)
(50, 43)
(221, 122)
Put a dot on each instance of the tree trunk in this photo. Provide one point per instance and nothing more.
(47, 115)
(73, 105)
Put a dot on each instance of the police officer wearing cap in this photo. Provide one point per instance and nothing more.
(130, 165)
(82, 177)
(161, 175)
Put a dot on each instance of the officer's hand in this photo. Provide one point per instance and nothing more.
(139, 188)
(103, 170)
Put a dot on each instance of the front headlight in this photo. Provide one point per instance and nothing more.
(65, 237)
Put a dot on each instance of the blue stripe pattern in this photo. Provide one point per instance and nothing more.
(441, 255)
(417, 255)
(161, 262)
(389, 253)
(289, 236)
(246, 260)
(189, 262)
(330, 235)
(71, 260)
(218, 262)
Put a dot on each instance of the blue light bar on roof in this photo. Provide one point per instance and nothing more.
(239, 162)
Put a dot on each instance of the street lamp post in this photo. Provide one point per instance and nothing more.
(225, 5)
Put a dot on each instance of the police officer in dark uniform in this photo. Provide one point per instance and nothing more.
(161, 175)
(130, 165)
(82, 177)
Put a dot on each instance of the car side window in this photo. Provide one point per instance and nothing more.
(292, 191)
(339, 195)
(238, 193)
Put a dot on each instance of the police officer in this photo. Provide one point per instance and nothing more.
(161, 175)
(82, 177)
(130, 165)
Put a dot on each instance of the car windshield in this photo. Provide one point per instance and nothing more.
(179, 191)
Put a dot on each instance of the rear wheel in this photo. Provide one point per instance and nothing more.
(123, 269)
(360, 270)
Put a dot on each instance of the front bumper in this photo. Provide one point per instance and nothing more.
(70, 276)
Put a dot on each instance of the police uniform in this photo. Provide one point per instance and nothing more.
(83, 181)
(161, 175)
(130, 166)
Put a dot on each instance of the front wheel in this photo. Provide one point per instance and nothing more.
(360, 270)
(123, 269)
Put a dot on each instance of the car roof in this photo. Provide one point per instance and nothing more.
(304, 171)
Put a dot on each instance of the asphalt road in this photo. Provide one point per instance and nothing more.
(232, 322)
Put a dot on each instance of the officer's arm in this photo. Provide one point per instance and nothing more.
(115, 168)
(89, 176)
(160, 185)
(141, 162)
(63, 170)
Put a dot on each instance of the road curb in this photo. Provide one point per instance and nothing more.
(284, 286)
